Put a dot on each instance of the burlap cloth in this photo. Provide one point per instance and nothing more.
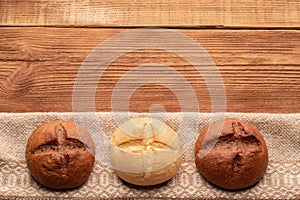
(281, 181)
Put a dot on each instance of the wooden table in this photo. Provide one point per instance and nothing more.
(254, 43)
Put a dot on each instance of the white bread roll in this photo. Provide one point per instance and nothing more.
(145, 151)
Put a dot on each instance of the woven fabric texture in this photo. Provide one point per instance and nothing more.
(281, 181)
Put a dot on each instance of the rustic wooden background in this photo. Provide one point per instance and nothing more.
(254, 43)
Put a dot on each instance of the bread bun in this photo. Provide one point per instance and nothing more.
(60, 154)
(145, 151)
(231, 154)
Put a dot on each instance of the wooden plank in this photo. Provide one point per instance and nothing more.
(260, 70)
(167, 13)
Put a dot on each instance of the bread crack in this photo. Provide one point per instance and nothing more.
(60, 133)
(238, 129)
(62, 144)
(241, 144)
(236, 163)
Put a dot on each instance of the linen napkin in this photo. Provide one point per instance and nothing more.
(281, 181)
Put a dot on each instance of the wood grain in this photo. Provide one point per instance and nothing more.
(167, 13)
(38, 67)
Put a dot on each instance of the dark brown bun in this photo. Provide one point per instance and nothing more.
(60, 154)
(231, 154)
